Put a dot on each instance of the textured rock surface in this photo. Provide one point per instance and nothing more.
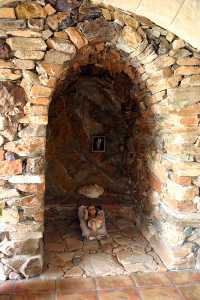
(26, 43)
(7, 13)
(90, 121)
(29, 54)
(62, 45)
(181, 22)
(98, 30)
(30, 10)
(125, 250)
(76, 37)
(100, 265)
(150, 122)
(91, 191)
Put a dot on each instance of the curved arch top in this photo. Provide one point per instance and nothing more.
(166, 128)
(178, 16)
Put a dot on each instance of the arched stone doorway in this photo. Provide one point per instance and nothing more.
(166, 92)
(96, 99)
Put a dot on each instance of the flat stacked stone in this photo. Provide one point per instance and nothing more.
(52, 40)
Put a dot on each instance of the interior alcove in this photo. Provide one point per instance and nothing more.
(91, 103)
(154, 184)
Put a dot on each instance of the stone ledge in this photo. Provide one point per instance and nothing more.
(191, 218)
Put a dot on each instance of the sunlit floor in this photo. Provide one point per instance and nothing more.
(138, 286)
(125, 250)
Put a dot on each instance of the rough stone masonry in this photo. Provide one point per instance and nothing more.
(41, 42)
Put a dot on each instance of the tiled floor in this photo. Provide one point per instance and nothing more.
(139, 286)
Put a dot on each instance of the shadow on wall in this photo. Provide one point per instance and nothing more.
(98, 98)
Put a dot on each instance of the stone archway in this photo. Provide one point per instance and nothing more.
(96, 98)
(167, 93)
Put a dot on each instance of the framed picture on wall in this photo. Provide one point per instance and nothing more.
(98, 143)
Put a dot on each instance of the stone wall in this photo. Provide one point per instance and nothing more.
(89, 105)
(42, 44)
(178, 16)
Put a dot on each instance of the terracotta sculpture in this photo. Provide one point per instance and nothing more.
(92, 222)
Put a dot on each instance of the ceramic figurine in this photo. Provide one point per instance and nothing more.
(92, 222)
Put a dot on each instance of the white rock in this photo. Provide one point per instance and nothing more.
(6, 247)
(3, 123)
(100, 264)
(26, 179)
(178, 44)
(91, 191)
(3, 275)
(8, 193)
(1, 140)
(62, 45)
(10, 216)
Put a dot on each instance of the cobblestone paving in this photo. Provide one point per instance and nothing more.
(125, 251)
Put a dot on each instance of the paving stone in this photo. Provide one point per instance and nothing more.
(73, 244)
(100, 264)
(74, 272)
(136, 263)
(55, 247)
(90, 246)
(123, 241)
(66, 256)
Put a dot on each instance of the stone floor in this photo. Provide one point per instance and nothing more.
(125, 250)
(140, 286)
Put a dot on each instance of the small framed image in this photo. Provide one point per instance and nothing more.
(98, 143)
